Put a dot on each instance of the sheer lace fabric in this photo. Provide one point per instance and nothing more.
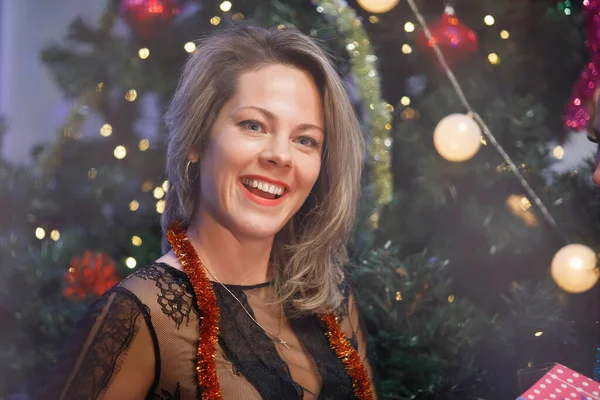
(139, 341)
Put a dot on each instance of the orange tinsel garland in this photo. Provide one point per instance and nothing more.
(209, 328)
(209, 311)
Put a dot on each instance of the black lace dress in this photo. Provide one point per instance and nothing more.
(141, 338)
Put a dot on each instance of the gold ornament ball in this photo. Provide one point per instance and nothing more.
(574, 268)
(457, 137)
(378, 6)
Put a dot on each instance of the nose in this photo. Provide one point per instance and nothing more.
(277, 152)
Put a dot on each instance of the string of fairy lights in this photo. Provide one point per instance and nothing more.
(457, 137)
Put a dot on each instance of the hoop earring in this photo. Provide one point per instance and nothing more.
(187, 171)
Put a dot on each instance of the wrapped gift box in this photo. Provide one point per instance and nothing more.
(562, 383)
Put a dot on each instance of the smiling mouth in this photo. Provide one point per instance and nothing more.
(261, 192)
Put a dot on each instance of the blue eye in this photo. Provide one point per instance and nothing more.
(307, 141)
(253, 126)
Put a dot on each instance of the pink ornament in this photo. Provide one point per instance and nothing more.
(582, 105)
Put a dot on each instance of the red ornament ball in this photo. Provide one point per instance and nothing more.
(147, 17)
(92, 274)
(456, 40)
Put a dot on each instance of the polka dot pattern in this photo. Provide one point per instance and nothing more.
(561, 383)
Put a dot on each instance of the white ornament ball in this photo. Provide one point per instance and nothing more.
(574, 268)
(457, 137)
(378, 6)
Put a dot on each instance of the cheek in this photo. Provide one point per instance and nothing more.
(310, 172)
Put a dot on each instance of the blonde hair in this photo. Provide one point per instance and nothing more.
(310, 251)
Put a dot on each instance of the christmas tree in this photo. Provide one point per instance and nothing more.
(450, 259)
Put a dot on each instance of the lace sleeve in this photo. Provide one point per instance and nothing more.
(354, 329)
(109, 354)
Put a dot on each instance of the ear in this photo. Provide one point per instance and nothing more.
(193, 155)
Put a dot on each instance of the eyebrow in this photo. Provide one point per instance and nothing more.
(269, 115)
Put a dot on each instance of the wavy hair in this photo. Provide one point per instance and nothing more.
(310, 250)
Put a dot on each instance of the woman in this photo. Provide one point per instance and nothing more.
(249, 302)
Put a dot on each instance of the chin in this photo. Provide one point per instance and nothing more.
(259, 229)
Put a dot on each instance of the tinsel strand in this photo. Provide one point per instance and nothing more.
(578, 111)
(207, 304)
(366, 78)
(349, 356)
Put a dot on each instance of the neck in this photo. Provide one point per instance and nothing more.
(233, 259)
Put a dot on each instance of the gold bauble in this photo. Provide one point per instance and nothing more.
(574, 268)
(457, 137)
(378, 6)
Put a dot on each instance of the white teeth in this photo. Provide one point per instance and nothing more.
(265, 187)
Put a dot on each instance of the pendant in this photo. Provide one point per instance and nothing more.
(283, 342)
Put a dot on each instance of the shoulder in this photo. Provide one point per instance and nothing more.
(154, 278)
(165, 291)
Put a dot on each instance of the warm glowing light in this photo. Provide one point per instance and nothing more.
(55, 235)
(520, 206)
(136, 241)
(130, 262)
(120, 152)
(493, 58)
(131, 95)
(405, 101)
(134, 205)
(190, 47)
(398, 296)
(40, 233)
(158, 193)
(106, 130)
(574, 268)
(160, 206)
(144, 53)
(147, 186)
(373, 19)
(225, 6)
(489, 20)
(457, 137)
(558, 152)
(451, 298)
(165, 186)
(409, 27)
(504, 34)
(215, 20)
(92, 173)
(378, 6)
(144, 144)
(538, 334)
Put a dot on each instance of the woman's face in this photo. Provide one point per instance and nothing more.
(264, 153)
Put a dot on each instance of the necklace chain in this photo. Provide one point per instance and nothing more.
(278, 336)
